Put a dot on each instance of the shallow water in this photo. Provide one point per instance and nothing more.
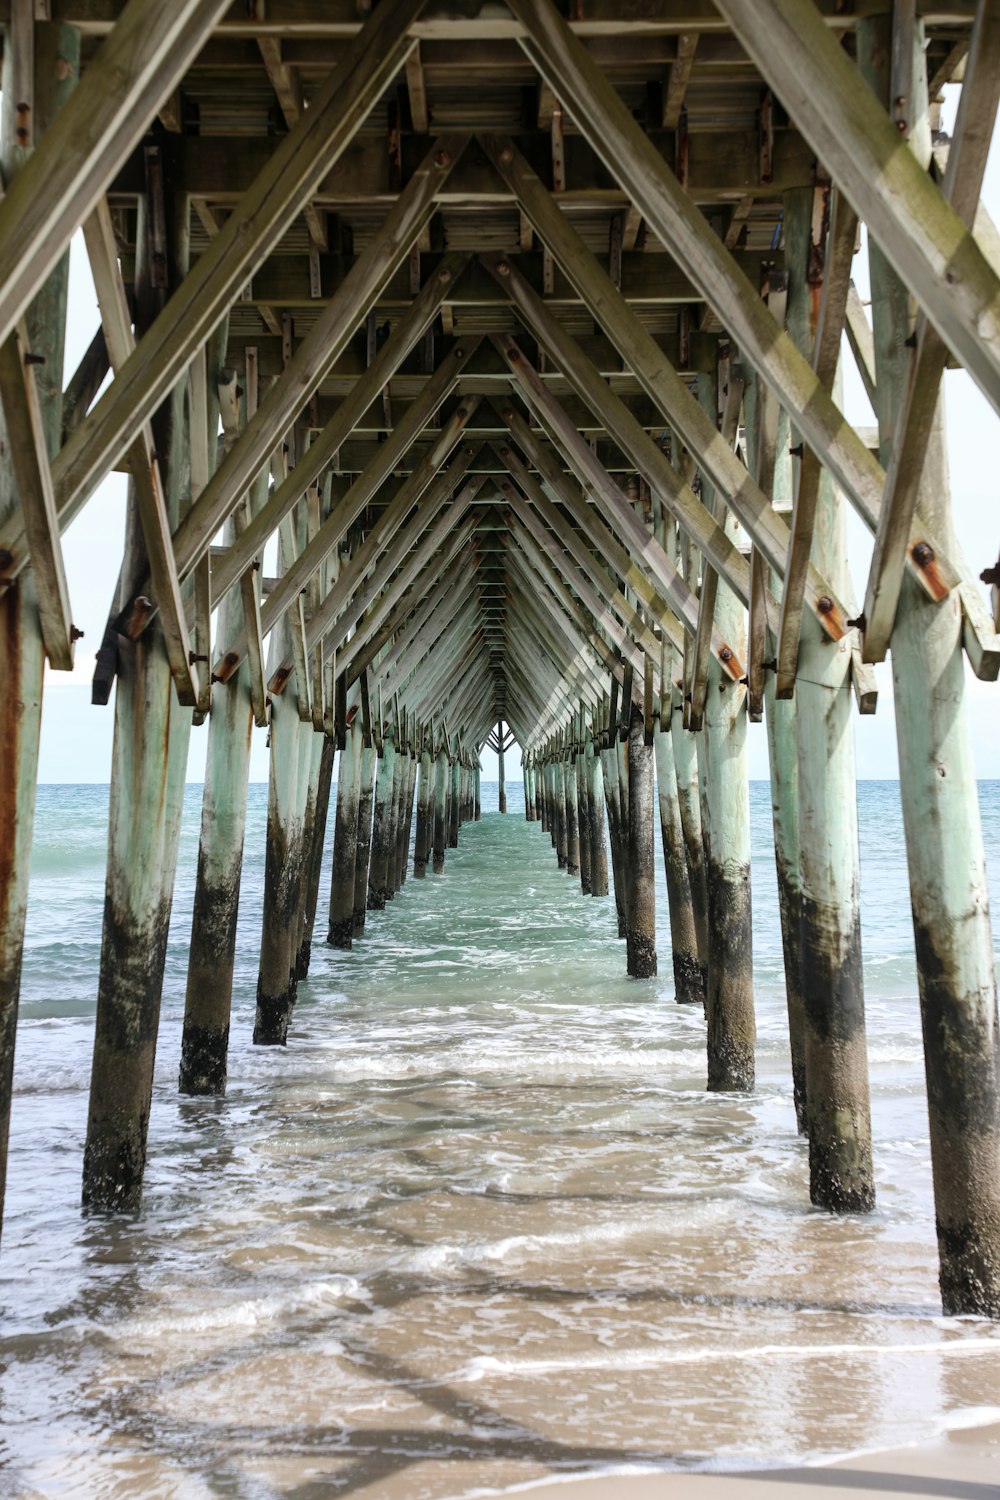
(478, 1222)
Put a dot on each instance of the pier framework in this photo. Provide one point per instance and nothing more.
(477, 370)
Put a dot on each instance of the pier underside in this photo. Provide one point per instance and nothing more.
(476, 369)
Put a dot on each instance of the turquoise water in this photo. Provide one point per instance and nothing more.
(479, 1221)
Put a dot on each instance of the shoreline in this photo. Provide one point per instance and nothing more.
(961, 1464)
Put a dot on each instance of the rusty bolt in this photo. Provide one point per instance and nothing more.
(503, 268)
(860, 622)
(824, 604)
(461, 414)
(513, 355)
(923, 554)
(442, 158)
(505, 452)
(508, 414)
(75, 634)
(231, 658)
(193, 658)
(34, 359)
(507, 155)
(6, 558)
(459, 352)
(444, 275)
(725, 654)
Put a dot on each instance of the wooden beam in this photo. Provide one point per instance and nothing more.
(368, 64)
(932, 249)
(622, 144)
(835, 256)
(29, 461)
(417, 90)
(678, 78)
(205, 521)
(644, 357)
(150, 503)
(894, 542)
(145, 56)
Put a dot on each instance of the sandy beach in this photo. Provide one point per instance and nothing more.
(963, 1465)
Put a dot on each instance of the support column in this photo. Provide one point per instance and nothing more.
(279, 930)
(503, 783)
(425, 815)
(22, 655)
(314, 853)
(609, 765)
(440, 809)
(455, 808)
(363, 850)
(345, 840)
(406, 821)
(944, 842)
(640, 932)
(836, 1054)
(479, 806)
(685, 758)
(378, 878)
(598, 842)
(583, 811)
(688, 988)
(725, 810)
(147, 784)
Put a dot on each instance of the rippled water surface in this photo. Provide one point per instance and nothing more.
(478, 1222)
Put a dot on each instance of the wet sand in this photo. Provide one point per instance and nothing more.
(963, 1465)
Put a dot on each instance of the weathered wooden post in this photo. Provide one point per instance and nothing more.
(455, 806)
(688, 986)
(598, 842)
(314, 853)
(406, 821)
(640, 935)
(340, 932)
(425, 814)
(479, 808)
(944, 842)
(279, 929)
(391, 885)
(500, 770)
(583, 808)
(612, 800)
(726, 831)
(782, 755)
(836, 1055)
(147, 782)
(378, 878)
(22, 653)
(441, 779)
(685, 756)
(362, 855)
(212, 954)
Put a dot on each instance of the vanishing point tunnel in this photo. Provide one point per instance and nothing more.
(510, 332)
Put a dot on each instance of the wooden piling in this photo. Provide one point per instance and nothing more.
(500, 768)
(425, 815)
(314, 853)
(640, 935)
(582, 783)
(944, 841)
(279, 926)
(340, 932)
(441, 779)
(378, 878)
(363, 848)
(688, 986)
(147, 779)
(598, 841)
(22, 652)
(725, 810)
(836, 1056)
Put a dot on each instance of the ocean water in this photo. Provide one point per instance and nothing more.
(479, 1222)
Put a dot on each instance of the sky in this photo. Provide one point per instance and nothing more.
(76, 743)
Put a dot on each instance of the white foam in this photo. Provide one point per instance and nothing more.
(650, 1357)
(248, 1313)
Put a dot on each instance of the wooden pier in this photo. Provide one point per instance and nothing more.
(512, 330)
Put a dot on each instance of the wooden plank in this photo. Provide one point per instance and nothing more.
(417, 89)
(678, 79)
(29, 460)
